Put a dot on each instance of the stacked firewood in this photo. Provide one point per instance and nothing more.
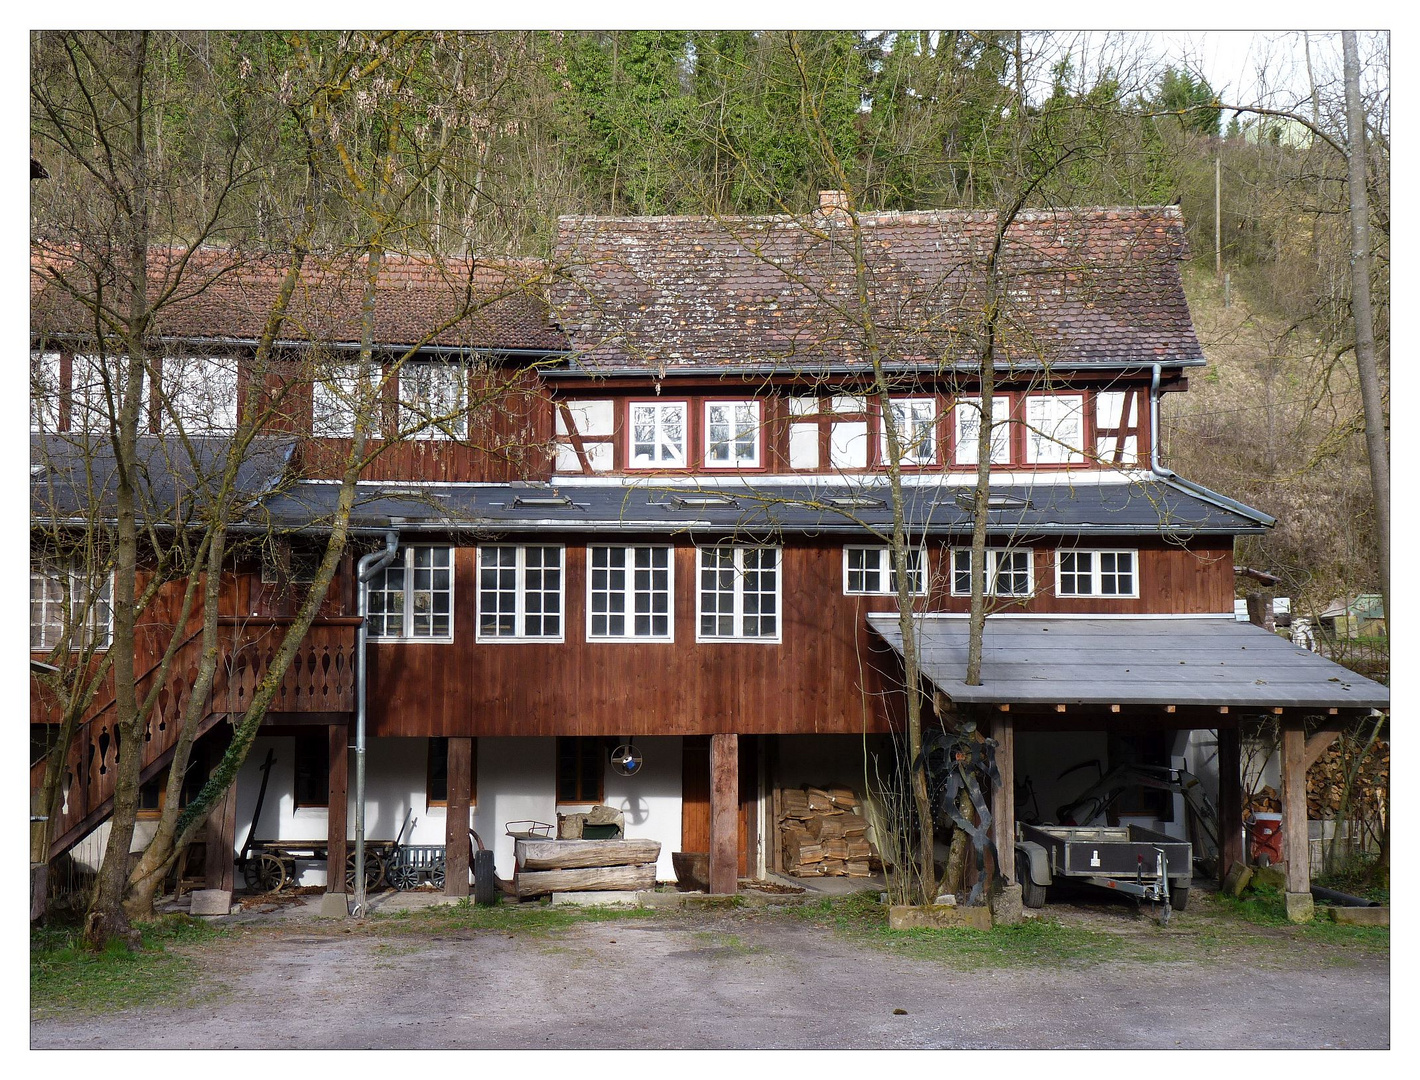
(1326, 783)
(823, 834)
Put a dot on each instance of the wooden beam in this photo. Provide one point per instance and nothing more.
(1230, 827)
(338, 772)
(221, 839)
(1277, 710)
(1004, 708)
(1332, 712)
(1114, 708)
(1294, 806)
(460, 794)
(724, 813)
(1060, 708)
(1223, 709)
(1317, 744)
(1003, 796)
(1170, 708)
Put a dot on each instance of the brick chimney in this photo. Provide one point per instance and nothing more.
(833, 205)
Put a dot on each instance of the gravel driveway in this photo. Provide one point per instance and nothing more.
(731, 979)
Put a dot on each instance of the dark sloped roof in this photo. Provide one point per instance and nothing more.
(1080, 287)
(1057, 508)
(1124, 661)
(222, 294)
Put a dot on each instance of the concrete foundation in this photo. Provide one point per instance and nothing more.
(211, 902)
(334, 905)
(1361, 916)
(938, 917)
(1300, 907)
(593, 899)
(1007, 907)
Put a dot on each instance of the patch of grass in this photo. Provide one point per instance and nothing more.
(510, 918)
(1267, 907)
(66, 978)
(1358, 878)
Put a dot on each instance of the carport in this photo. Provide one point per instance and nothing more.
(1138, 674)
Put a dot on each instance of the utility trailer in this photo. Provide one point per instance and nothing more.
(1124, 858)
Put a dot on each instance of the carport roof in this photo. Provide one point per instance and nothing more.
(1131, 661)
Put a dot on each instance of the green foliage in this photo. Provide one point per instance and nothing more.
(1192, 99)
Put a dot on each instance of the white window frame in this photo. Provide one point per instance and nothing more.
(964, 446)
(45, 374)
(196, 389)
(1045, 414)
(906, 413)
(433, 400)
(98, 621)
(993, 568)
(1097, 573)
(88, 407)
(732, 444)
(520, 596)
(338, 388)
(661, 444)
(738, 612)
(884, 571)
(406, 560)
(629, 593)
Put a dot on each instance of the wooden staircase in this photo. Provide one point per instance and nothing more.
(321, 679)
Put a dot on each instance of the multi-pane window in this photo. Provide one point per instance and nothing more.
(732, 434)
(337, 396)
(916, 423)
(519, 592)
(413, 597)
(44, 391)
(966, 421)
(200, 392)
(433, 400)
(629, 593)
(1117, 427)
(869, 571)
(96, 393)
(1055, 429)
(739, 593)
(65, 596)
(658, 435)
(1096, 573)
(584, 436)
(1008, 572)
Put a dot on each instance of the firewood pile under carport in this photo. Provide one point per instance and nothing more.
(557, 866)
(823, 834)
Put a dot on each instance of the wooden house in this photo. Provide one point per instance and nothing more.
(667, 524)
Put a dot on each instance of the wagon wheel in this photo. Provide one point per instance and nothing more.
(374, 871)
(436, 874)
(264, 874)
(401, 875)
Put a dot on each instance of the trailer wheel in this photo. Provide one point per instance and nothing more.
(485, 890)
(1032, 895)
(1178, 897)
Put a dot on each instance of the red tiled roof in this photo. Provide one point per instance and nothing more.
(1080, 287)
(224, 295)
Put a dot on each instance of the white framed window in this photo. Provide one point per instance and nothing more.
(629, 593)
(412, 599)
(201, 391)
(804, 425)
(732, 435)
(658, 435)
(433, 400)
(868, 571)
(44, 391)
(590, 423)
(739, 594)
(916, 421)
(1097, 573)
(966, 425)
(1055, 429)
(338, 393)
(94, 382)
(1117, 427)
(848, 437)
(1009, 572)
(60, 597)
(520, 592)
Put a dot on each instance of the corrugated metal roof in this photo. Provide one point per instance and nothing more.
(1125, 661)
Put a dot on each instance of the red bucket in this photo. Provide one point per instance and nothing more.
(1265, 829)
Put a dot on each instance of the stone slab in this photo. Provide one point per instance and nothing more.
(1237, 879)
(211, 902)
(597, 898)
(334, 905)
(1361, 916)
(1007, 907)
(1300, 907)
(938, 917)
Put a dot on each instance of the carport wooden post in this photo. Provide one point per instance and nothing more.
(338, 762)
(1294, 819)
(1230, 839)
(724, 813)
(221, 839)
(1003, 796)
(456, 839)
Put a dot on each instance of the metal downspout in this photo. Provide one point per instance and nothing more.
(368, 567)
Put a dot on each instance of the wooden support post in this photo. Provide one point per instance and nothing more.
(724, 812)
(221, 839)
(1003, 796)
(338, 764)
(1294, 806)
(1230, 808)
(1317, 744)
(456, 839)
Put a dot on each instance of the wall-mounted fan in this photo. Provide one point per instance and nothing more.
(626, 759)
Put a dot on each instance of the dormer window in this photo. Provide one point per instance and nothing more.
(433, 400)
(966, 419)
(658, 434)
(916, 423)
(732, 435)
(1055, 429)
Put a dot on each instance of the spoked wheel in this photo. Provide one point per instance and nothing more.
(374, 871)
(402, 876)
(436, 874)
(264, 874)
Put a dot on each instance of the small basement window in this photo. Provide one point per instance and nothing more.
(312, 769)
(581, 769)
